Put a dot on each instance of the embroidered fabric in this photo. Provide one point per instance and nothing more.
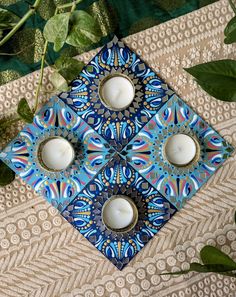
(42, 255)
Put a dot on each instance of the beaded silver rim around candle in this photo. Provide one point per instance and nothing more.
(135, 214)
(195, 158)
(104, 100)
(39, 154)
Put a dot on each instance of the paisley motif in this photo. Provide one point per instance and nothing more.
(91, 153)
(85, 211)
(117, 127)
(145, 152)
(20, 154)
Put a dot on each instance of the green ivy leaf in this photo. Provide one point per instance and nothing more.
(7, 19)
(6, 174)
(211, 255)
(24, 111)
(59, 82)
(68, 67)
(230, 31)
(69, 51)
(56, 30)
(84, 30)
(217, 78)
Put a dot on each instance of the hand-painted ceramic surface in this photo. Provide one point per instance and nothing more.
(145, 152)
(116, 178)
(117, 127)
(117, 152)
(91, 153)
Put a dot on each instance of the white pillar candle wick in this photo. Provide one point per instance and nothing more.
(118, 213)
(117, 92)
(180, 149)
(56, 153)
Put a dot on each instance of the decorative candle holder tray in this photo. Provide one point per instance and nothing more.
(117, 152)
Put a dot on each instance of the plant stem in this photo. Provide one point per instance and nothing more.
(73, 6)
(41, 76)
(28, 14)
(74, 3)
(232, 6)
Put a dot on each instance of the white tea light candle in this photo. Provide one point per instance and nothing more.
(180, 149)
(119, 212)
(117, 91)
(56, 153)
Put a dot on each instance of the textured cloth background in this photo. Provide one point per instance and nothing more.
(42, 255)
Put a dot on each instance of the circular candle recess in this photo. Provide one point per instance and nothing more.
(181, 149)
(119, 213)
(116, 91)
(55, 153)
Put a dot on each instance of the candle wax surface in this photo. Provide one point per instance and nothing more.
(118, 92)
(180, 149)
(57, 154)
(118, 213)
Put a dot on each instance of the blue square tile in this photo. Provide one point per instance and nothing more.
(117, 127)
(145, 152)
(57, 119)
(85, 211)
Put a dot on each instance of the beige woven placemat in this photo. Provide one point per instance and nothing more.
(42, 255)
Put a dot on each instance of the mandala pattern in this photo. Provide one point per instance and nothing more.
(118, 177)
(117, 127)
(145, 152)
(117, 152)
(56, 119)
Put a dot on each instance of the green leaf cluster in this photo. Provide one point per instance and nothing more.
(217, 78)
(77, 28)
(213, 260)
